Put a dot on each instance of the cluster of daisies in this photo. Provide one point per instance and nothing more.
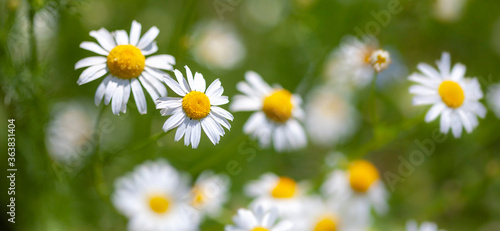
(158, 197)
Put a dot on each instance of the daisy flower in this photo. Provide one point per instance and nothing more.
(153, 197)
(196, 109)
(425, 226)
(359, 188)
(258, 219)
(123, 61)
(277, 111)
(209, 193)
(493, 99)
(454, 97)
(352, 64)
(380, 60)
(283, 193)
(330, 116)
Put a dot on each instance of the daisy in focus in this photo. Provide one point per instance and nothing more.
(284, 193)
(197, 108)
(276, 116)
(355, 62)
(330, 117)
(153, 198)
(359, 188)
(209, 193)
(452, 96)
(123, 61)
(425, 226)
(258, 219)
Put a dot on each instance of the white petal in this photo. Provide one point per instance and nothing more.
(219, 100)
(168, 102)
(255, 121)
(428, 82)
(181, 130)
(213, 88)
(139, 98)
(422, 90)
(444, 64)
(92, 46)
(434, 112)
(279, 139)
(150, 49)
(149, 88)
(89, 72)
(458, 72)
(246, 89)
(175, 86)
(182, 81)
(189, 77)
(161, 62)
(159, 86)
(99, 94)
(135, 33)
(429, 71)
(104, 38)
(148, 37)
(195, 134)
(456, 126)
(93, 77)
(257, 83)
(465, 121)
(445, 123)
(221, 121)
(211, 129)
(221, 112)
(121, 37)
(199, 82)
(90, 61)
(245, 103)
(126, 96)
(110, 89)
(426, 99)
(174, 121)
(116, 104)
(187, 133)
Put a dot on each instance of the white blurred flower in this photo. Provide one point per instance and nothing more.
(259, 219)
(350, 65)
(218, 46)
(209, 193)
(154, 198)
(69, 133)
(262, 15)
(449, 10)
(493, 99)
(359, 188)
(380, 60)
(281, 192)
(425, 226)
(277, 113)
(330, 117)
(452, 96)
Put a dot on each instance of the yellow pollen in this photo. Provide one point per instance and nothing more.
(198, 198)
(362, 174)
(278, 106)
(159, 204)
(260, 229)
(326, 224)
(380, 59)
(285, 188)
(196, 105)
(126, 61)
(451, 93)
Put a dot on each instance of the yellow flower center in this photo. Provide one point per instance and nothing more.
(198, 198)
(451, 93)
(326, 224)
(126, 61)
(260, 229)
(362, 174)
(196, 105)
(285, 188)
(278, 106)
(159, 204)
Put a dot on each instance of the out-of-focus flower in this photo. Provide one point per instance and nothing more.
(425, 226)
(380, 60)
(351, 63)
(449, 10)
(217, 46)
(283, 193)
(259, 219)
(153, 198)
(454, 97)
(123, 60)
(209, 193)
(262, 15)
(493, 99)
(359, 189)
(330, 117)
(196, 109)
(277, 111)
(69, 134)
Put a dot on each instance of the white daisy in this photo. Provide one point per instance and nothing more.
(449, 10)
(123, 61)
(69, 133)
(283, 193)
(277, 111)
(153, 197)
(425, 226)
(209, 193)
(196, 109)
(350, 64)
(330, 116)
(217, 45)
(380, 60)
(493, 99)
(359, 188)
(454, 97)
(258, 219)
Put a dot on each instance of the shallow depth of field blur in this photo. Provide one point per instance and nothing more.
(287, 42)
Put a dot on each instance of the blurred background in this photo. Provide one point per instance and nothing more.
(289, 42)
